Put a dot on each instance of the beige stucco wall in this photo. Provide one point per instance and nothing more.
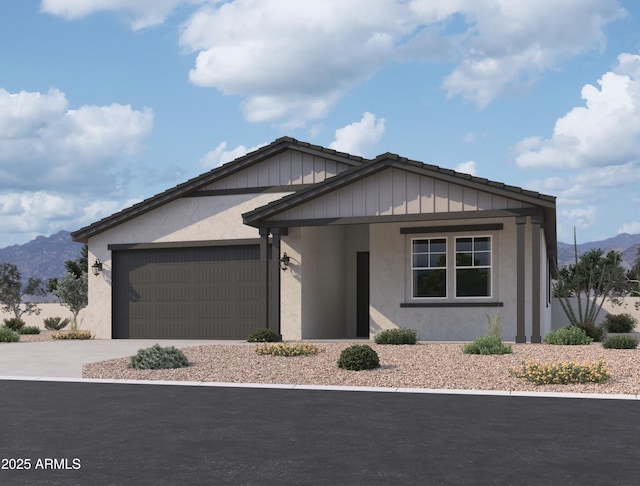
(186, 219)
(629, 305)
(47, 310)
(390, 253)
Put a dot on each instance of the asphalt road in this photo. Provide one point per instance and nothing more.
(121, 434)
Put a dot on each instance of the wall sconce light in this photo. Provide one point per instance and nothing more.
(96, 268)
(284, 262)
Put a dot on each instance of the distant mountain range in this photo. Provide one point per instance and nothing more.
(625, 243)
(44, 256)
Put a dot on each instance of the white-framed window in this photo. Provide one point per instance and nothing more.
(473, 266)
(429, 267)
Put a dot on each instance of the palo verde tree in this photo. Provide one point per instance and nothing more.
(12, 291)
(591, 279)
(72, 288)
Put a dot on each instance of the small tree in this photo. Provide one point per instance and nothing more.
(72, 292)
(12, 291)
(591, 279)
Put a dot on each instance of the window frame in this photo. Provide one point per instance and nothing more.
(414, 268)
(490, 267)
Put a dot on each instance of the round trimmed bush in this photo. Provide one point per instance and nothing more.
(396, 336)
(594, 332)
(158, 358)
(570, 335)
(358, 357)
(14, 323)
(262, 335)
(8, 335)
(620, 323)
(486, 345)
(620, 342)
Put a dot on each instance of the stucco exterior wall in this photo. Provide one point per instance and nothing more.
(186, 219)
(390, 266)
(47, 309)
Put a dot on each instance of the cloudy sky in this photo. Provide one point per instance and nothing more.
(104, 103)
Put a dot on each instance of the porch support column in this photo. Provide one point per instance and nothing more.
(535, 279)
(264, 275)
(520, 274)
(275, 268)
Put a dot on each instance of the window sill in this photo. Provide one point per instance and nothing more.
(452, 304)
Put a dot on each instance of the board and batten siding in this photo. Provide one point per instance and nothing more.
(397, 192)
(284, 169)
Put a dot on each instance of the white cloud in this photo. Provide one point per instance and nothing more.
(219, 155)
(291, 61)
(61, 167)
(44, 143)
(632, 227)
(141, 13)
(468, 167)
(604, 132)
(470, 137)
(359, 138)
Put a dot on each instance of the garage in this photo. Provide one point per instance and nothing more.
(201, 292)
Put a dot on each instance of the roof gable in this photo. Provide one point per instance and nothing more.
(266, 163)
(391, 185)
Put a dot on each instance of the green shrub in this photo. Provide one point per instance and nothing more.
(55, 323)
(72, 334)
(158, 358)
(487, 345)
(358, 357)
(8, 335)
(14, 323)
(285, 349)
(396, 336)
(594, 332)
(620, 342)
(262, 335)
(620, 323)
(562, 373)
(570, 335)
(29, 330)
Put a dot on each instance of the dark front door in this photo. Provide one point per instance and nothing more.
(362, 294)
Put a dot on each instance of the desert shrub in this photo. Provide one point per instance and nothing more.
(14, 323)
(487, 345)
(72, 334)
(562, 373)
(570, 335)
(620, 342)
(8, 335)
(158, 358)
(594, 332)
(304, 348)
(29, 330)
(55, 323)
(262, 335)
(358, 357)
(620, 323)
(396, 336)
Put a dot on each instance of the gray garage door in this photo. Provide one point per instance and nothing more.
(200, 293)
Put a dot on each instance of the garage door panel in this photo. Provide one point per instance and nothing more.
(200, 292)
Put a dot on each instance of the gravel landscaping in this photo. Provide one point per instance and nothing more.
(425, 365)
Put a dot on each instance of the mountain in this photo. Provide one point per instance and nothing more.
(42, 257)
(625, 243)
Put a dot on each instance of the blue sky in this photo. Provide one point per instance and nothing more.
(104, 103)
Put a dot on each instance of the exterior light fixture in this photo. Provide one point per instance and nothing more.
(96, 268)
(284, 262)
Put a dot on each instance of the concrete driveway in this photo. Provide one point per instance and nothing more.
(64, 359)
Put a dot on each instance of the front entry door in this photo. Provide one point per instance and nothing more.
(362, 294)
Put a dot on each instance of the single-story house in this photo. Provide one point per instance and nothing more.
(319, 244)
